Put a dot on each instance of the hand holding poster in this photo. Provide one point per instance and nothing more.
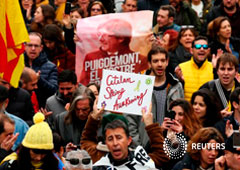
(114, 42)
(125, 92)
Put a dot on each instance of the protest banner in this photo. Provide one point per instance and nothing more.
(125, 92)
(117, 41)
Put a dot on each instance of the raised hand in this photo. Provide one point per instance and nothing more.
(9, 141)
(97, 113)
(225, 112)
(228, 129)
(147, 117)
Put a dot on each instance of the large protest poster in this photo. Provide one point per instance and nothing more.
(117, 41)
(125, 92)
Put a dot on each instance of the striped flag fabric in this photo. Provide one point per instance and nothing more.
(13, 34)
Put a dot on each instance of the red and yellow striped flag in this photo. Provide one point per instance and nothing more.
(13, 34)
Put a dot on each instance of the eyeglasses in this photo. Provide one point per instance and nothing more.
(76, 161)
(199, 46)
(187, 26)
(33, 45)
(96, 9)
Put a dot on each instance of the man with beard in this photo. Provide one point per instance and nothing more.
(185, 14)
(198, 70)
(228, 8)
(67, 84)
(29, 79)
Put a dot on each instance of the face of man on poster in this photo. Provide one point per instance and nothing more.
(109, 43)
(114, 35)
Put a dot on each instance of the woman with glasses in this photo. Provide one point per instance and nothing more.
(181, 49)
(96, 8)
(220, 33)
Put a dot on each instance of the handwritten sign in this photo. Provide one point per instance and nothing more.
(125, 92)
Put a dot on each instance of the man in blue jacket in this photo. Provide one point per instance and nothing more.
(37, 59)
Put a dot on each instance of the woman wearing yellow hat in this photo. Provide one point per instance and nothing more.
(36, 150)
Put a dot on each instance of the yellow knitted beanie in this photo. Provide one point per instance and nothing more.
(39, 135)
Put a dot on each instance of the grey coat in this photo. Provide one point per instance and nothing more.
(69, 132)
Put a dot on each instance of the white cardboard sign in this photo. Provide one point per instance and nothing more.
(125, 92)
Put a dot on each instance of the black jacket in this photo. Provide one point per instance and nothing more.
(177, 57)
(47, 84)
(215, 45)
(212, 87)
(20, 104)
(221, 125)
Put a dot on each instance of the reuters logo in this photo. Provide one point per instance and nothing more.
(175, 146)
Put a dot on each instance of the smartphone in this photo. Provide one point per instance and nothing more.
(170, 114)
(236, 139)
(68, 8)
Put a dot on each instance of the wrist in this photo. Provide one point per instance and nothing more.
(95, 116)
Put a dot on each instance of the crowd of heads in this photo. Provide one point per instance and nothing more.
(53, 38)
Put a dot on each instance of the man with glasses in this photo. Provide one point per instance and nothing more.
(36, 59)
(227, 69)
(198, 70)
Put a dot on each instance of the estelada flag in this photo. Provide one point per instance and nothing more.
(13, 34)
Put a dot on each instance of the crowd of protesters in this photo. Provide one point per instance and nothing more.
(51, 121)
